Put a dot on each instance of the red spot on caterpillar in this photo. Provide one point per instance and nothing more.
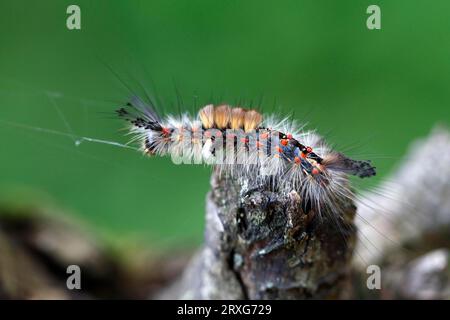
(279, 150)
(315, 171)
(303, 155)
(289, 136)
(309, 149)
(297, 160)
(264, 135)
(284, 142)
(165, 131)
(244, 140)
(258, 144)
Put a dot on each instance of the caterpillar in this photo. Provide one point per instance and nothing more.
(243, 143)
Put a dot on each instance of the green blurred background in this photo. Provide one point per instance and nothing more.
(368, 92)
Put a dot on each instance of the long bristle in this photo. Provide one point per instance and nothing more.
(339, 162)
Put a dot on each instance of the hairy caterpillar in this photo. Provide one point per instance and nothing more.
(244, 144)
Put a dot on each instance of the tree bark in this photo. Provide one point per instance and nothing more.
(407, 234)
(259, 244)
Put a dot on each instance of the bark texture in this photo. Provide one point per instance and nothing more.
(259, 244)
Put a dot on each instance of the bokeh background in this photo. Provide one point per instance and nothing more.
(371, 93)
